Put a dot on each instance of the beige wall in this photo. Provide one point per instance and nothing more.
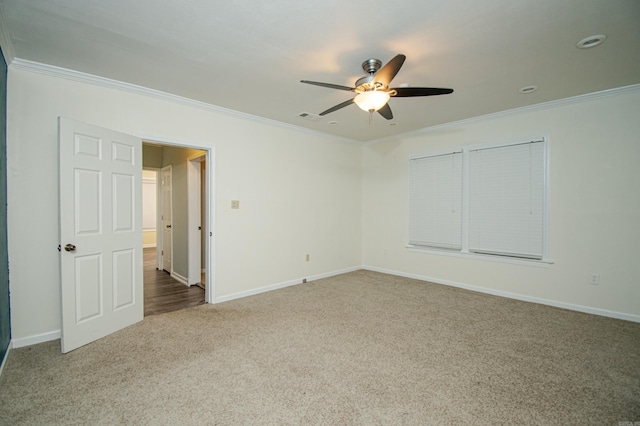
(594, 206)
(149, 205)
(299, 191)
(149, 238)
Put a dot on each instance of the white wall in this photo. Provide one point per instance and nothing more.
(594, 205)
(299, 192)
(345, 205)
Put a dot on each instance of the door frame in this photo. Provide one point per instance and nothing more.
(208, 222)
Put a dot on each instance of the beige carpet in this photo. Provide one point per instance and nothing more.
(361, 348)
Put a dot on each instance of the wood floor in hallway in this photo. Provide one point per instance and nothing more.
(162, 293)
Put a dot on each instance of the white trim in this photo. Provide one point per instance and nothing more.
(36, 338)
(509, 112)
(6, 356)
(540, 263)
(283, 284)
(148, 245)
(210, 200)
(81, 77)
(179, 277)
(509, 295)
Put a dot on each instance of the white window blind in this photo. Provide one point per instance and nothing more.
(506, 200)
(435, 201)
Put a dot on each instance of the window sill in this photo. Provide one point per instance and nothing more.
(539, 263)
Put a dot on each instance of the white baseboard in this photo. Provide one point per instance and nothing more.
(148, 245)
(179, 278)
(4, 360)
(35, 339)
(524, 298)
(284, 284)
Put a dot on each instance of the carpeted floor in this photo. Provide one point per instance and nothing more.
(361, 348)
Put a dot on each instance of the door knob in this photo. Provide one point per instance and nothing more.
(168, 226)
(69, 247)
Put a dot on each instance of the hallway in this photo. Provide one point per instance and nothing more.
(162, 293)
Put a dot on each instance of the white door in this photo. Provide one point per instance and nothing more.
(194, 216)
(167, 230)
(100, 232)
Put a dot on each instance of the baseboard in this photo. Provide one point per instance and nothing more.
(283, 284)
(516, 296)
(179, 278)
(35, 339)
(148, 245)
(4, 359)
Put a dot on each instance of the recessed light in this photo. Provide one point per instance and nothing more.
(333, 123)
(591, 41)
(528, 89)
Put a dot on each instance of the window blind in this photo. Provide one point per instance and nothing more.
(435, 201)
(506, 200)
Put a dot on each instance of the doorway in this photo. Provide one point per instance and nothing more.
(176, 269)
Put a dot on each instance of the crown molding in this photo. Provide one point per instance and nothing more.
(67, 74)
(544, 105)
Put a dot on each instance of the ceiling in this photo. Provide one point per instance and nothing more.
(249, 56)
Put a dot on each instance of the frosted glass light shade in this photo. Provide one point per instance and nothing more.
(371, 100)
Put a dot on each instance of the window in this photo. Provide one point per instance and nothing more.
(488, 199)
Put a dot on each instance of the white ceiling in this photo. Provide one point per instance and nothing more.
(250, 56)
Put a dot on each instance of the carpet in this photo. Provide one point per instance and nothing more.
(363, 348)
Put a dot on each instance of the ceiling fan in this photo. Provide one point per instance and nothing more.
(373, 90)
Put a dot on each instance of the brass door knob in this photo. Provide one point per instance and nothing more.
(69, 247)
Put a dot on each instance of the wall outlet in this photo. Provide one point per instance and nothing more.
(595, 279)
(307, 258)
(304, 280)
(235, 204)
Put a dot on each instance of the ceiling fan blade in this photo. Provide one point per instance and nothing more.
(385, 111)
(405, 92)
(391, 68)
(337, 107)
(329, 85)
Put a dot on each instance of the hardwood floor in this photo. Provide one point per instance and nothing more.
(162, 293)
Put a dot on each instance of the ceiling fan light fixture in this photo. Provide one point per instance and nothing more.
(372, 100)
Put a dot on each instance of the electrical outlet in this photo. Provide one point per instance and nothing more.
(304, 280)
(595, 279)
(307, 258)
(235, 204)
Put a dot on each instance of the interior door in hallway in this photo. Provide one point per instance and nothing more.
(100, 182)
(166, 214)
